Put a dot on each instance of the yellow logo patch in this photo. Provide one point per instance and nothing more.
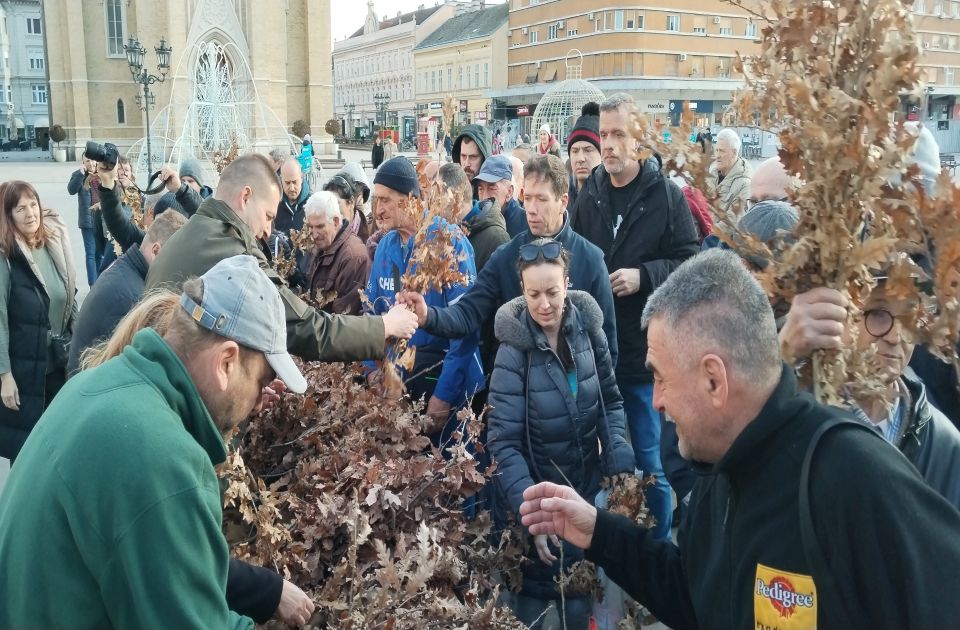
(783, 600)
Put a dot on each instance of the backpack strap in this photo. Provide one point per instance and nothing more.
(823, 576)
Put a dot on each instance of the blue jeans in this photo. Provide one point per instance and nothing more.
(90, 254)
(644, 423)
(109, 256)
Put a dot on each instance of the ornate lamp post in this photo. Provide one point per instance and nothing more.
(381, 101)
(135, 52)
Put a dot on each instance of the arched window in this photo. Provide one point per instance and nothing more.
(121, 112)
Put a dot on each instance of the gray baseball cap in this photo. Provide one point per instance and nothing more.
(241, 303)
(495, 169)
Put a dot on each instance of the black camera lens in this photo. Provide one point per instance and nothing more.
(106, 153)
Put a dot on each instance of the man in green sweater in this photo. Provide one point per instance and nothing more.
(112, 517)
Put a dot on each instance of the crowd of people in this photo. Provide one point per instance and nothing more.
(603, 326)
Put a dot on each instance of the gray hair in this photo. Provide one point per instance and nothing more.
(732, 138)
(323, 204)
(279, 155)
(712, 299)
(618, 100)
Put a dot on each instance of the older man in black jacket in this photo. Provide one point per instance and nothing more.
(640, 221)
(802, 518)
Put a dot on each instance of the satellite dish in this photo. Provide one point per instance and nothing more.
(332, 127)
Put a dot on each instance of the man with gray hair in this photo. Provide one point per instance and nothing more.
(641, 222)
(798, 507)
(338, 266)
(730, 173)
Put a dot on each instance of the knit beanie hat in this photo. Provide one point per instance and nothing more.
(766, 218)
(544, 127)
(587, 128)
(191, 168)
(168, 201)
(398, 174)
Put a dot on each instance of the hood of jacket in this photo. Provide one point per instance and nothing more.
(514, 326)
(739, 170)
(298, 204)
(480, 135)
(488, 214)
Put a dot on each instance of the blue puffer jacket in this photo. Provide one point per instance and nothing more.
(461, 375)
(538, 430)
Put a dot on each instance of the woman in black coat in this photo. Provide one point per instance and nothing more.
(37, 309)
(555, 405)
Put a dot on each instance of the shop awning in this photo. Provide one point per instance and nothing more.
(18, 123)
(550, 75)
(42, 121)
(532, 73)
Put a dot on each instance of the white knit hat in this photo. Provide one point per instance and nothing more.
(545, 127)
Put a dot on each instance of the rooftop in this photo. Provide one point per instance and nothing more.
(420, 15)
(467, 26)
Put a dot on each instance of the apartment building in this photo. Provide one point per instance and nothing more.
(24, 90)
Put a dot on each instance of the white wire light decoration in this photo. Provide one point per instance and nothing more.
(560, 106)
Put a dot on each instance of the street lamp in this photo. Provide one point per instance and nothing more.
(349, 130)
(135, 53)
(381, 101)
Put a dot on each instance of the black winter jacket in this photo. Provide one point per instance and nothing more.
(538, 431)
(656, 233)
(84, 199)
(290, 216)
(122, 229)
(499, 282)
(112, 296)
(536, 424)
(889, 541)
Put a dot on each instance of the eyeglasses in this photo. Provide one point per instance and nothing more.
(878, 322)
(547, 249)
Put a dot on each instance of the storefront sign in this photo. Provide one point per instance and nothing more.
(654, 107)
(436, 105)
(523, 110)
(480, 115)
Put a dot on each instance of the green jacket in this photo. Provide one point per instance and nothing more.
(216, 232)
(111, 517)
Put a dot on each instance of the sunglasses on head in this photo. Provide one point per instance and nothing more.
(548, 250)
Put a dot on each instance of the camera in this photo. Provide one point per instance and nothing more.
(106, 153)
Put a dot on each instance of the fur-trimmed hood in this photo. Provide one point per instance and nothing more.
(514, 326)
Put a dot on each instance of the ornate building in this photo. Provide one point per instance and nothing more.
(240, 71)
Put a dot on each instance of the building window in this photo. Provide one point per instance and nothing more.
(39, 91)
(460, 80)
(114, 10)
(949, 76)
(9, 94)
(33, 26)
(673, 23)
(751, 28)
(618, 20)
(726, 30)
(629, 25)
(699, 30)
(552, 31)
(476, 76)
(534, 36)
(486, 75)
(433, 80)
(938, 7)
(36, 62)
(121, 112)
(918, 6)
(640, 22)
(450, 78)
(571, 32)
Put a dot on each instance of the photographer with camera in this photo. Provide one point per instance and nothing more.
(80, 185)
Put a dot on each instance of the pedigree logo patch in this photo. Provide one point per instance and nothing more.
(784, 600)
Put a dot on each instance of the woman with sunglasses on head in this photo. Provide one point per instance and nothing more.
(37, 310)
(555, 406)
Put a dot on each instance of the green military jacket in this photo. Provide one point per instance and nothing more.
(216, 232)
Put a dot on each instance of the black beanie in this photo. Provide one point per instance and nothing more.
(398, 174)
(587, 128)
(168, 202)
